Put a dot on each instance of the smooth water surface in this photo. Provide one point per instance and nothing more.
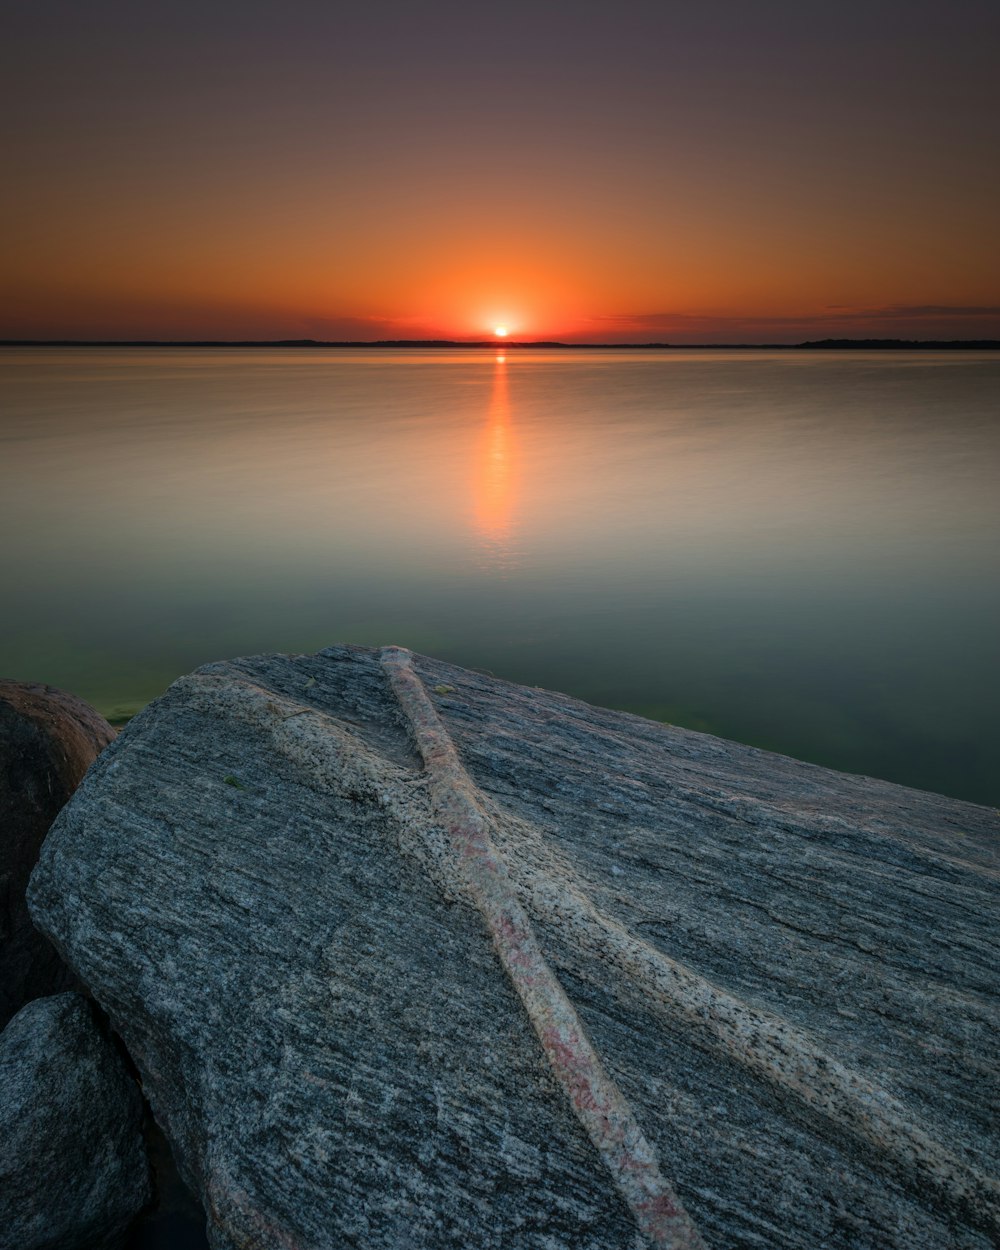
(793, 549)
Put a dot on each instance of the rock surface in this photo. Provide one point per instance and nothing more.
(73, 1170)
(48, 740)
(412, 957)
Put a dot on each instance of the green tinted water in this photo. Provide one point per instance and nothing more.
(796, 550)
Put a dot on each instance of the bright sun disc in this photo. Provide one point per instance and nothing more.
(501, 332)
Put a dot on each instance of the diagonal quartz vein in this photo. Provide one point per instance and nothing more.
(766, 1046)
(786, 1057)
(600, 1106)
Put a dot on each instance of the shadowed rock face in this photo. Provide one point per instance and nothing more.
(48, 740)
(73, 1169)
(411, 956)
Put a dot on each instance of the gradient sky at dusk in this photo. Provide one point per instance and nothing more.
(719, 172)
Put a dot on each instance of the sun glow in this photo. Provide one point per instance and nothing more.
(501, 332)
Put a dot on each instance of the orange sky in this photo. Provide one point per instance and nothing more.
(743, 173)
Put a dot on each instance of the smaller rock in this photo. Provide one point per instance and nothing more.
(73, 1167)
(48, 740)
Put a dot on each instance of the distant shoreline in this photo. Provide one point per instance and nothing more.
(522, 345)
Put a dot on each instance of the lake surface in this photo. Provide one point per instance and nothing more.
(797, 550)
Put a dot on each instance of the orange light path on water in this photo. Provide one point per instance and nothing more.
(495, 475)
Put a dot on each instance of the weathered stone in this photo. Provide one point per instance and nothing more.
(73, 1170)
(410, 956)
(48, 740)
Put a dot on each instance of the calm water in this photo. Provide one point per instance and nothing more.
(795, 550)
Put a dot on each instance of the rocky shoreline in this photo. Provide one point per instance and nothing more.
(405, 955)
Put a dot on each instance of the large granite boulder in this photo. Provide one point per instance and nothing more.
(73, 1170)
(412, 957)
(48, 740)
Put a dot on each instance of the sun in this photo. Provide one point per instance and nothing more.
(501, 332)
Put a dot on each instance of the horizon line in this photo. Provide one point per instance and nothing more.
(520, 344)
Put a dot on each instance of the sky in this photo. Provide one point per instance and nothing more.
(592, 172)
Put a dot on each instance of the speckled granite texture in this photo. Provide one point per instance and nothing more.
(486, 966)
(73, 1166)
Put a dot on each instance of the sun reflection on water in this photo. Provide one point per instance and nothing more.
(494, 478)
